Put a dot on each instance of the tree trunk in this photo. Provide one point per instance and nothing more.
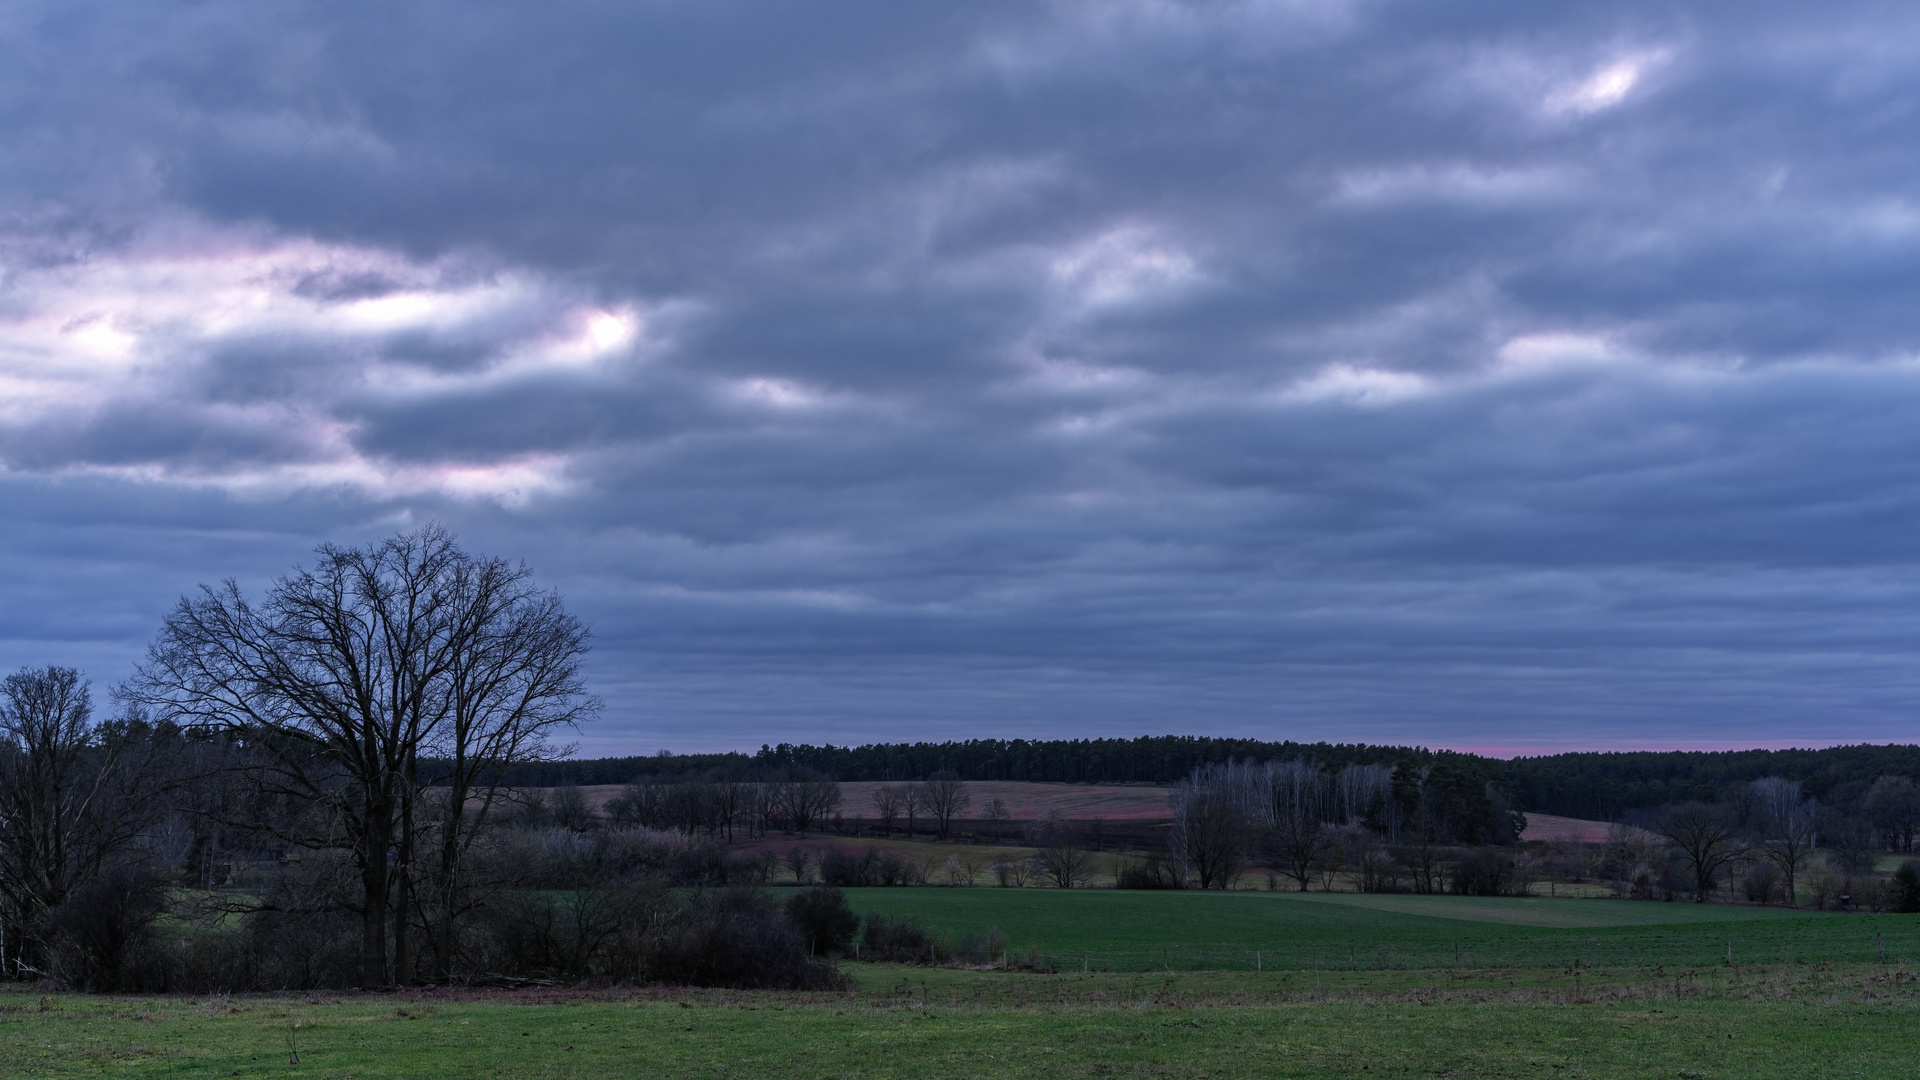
(375, 843)
(403, 890)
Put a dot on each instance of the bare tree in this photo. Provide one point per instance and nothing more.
(1705, 838)
(571, 810)
(1786, 828)
(886, 803)
(1296, 845)
(945, 796)
(1292, 797)
(1894, 805)
(512, 679)
(798, 859)
(1063, 859)
(1210, 828)
(352, 672)
(804, 797)
(912, 802)
(997, 813)
(73, 796)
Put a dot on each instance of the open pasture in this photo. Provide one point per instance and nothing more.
(1115, 930)
(1746, 1021)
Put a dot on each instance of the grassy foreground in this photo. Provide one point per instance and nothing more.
(1790, 1021)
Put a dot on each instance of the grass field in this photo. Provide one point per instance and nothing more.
(1747, 1021)
(1114, 930)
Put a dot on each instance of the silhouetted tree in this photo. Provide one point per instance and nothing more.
(946, 797)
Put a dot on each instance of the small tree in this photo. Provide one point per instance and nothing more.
(73, 796)
(571, 811)
(1211, 827)
(996, 814)
(886, 804)
(1786, 841)
(798, 859)
(822, 914)
(912, 802)
(1296, 845)
(1894, 805)
(946, 797)
(1905, 896)
(1064, 859)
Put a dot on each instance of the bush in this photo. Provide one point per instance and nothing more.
(103, 934)
(738, 940)
(1484, 874)
(1905, 889)
(1153, 873)
(902, 940)
(824, 919)
(1761, 883)
(866, 866)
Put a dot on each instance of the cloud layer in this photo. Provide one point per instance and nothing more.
(1495, 375)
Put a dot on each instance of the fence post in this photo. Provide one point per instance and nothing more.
(1165, 964)
(1256, 961)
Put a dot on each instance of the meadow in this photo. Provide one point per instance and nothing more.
(1116, 930)
(1748, 1021)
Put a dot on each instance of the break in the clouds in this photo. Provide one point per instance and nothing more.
(1493, 375)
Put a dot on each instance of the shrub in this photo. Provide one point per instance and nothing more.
(738, 940)
(1905, 889)
(1484, 874)
(1761, 883)
(867, 866)
(903, 940)
(104, 932)
(824, 919)
(1152, 873)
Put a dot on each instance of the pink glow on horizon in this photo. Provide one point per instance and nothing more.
(1675, 746)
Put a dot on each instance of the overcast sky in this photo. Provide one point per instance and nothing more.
(1507, 376)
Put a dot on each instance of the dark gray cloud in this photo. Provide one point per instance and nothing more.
(1487, 375)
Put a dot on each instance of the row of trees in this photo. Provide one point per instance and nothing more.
(1768, 830)
(725, 800)
(1595, 786)
(1296, 817)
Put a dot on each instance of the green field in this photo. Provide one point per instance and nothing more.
(1112, 930)
(1544, 988)
(1752, 1021)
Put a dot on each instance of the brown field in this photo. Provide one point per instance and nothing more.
(1564, 829)
(1025, 801)
(1031, 802)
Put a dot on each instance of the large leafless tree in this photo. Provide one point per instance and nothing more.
(350, 675)
(1707, 839)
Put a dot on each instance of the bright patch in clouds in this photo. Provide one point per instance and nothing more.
(142, 361)
(1123, 266)
(1606, 87)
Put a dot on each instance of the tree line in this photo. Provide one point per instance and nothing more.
(1388, 828)
(1595, 786)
